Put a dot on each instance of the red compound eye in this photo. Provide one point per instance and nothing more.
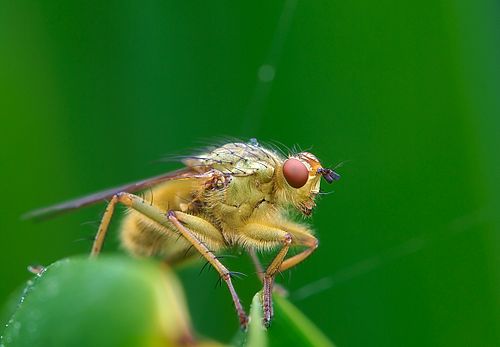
(295, 172)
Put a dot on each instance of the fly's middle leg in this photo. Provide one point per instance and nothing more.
(213, 260)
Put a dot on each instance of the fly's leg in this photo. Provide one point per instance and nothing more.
(287, 234)
(271, 271)
(212, 259)
(267, 236)
(311, 243)
(256, 262)
(103, 227)
(260, 272)
(301, 237)
(175, 221)
(212, 177)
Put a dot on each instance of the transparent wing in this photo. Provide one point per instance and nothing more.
(87, 200)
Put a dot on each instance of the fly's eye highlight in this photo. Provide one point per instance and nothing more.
(295, 172)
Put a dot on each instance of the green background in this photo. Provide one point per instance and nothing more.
(93, 93)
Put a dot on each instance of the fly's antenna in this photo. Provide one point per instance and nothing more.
(328, 174)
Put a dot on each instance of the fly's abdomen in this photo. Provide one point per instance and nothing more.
(142, 236)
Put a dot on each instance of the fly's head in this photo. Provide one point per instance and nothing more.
(299, 180)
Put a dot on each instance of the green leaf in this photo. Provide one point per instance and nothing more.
(110, 301)
(119, 301)
(256, 331)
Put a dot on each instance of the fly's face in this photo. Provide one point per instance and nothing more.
(300, 180)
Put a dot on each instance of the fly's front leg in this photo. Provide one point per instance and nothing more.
(260, 272)
(269, 276)
(301, 237)
(265, 236)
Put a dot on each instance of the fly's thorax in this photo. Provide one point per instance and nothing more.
(248, 189)
(240, 196)
(232, 205)
(237, 159)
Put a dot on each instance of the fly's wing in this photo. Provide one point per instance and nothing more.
(51, 211)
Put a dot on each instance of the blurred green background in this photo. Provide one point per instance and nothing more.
(93, 93)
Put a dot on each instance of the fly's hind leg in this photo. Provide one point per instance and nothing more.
(212, 177)
(195, 230)
(104, 225)
(123, 198)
